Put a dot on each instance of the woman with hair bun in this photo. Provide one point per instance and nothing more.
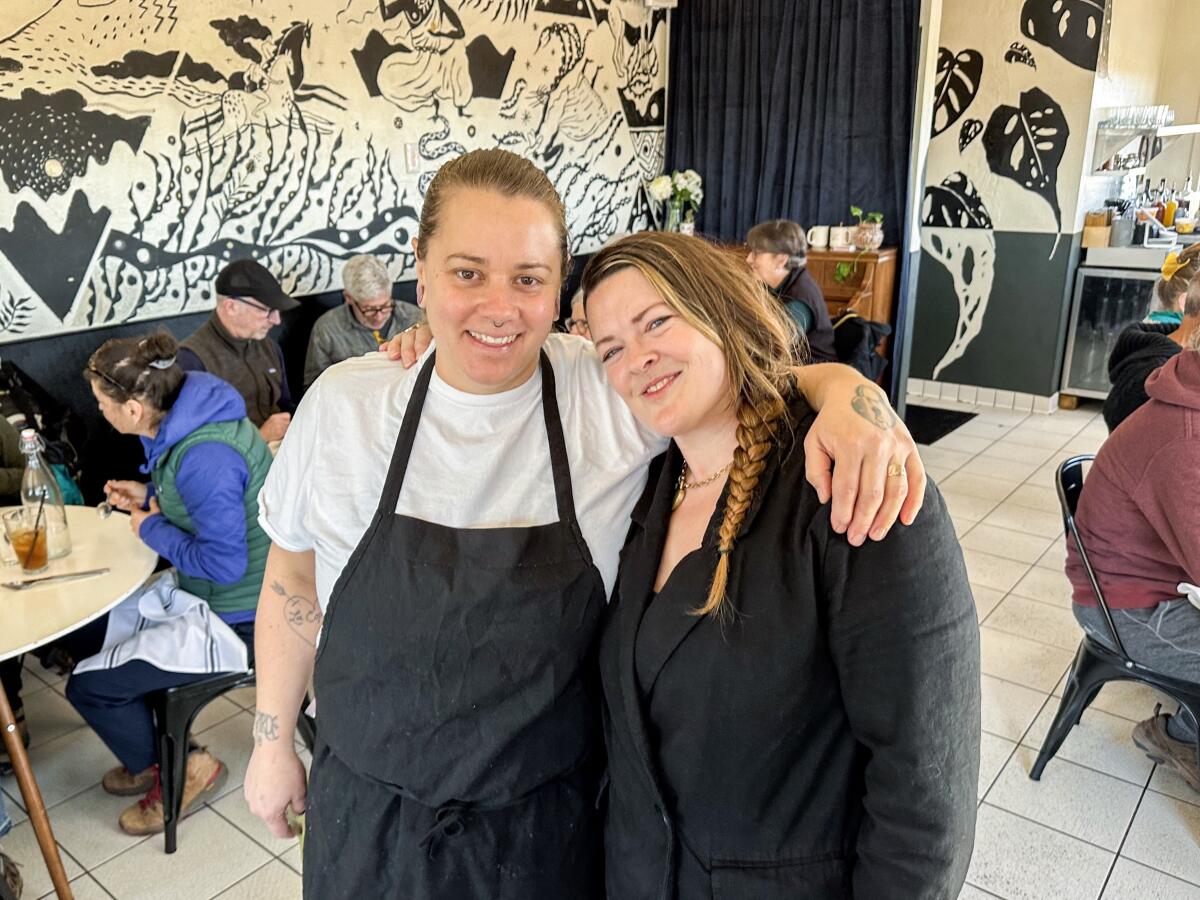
(786, 716)
(779, 257)
(199, 511)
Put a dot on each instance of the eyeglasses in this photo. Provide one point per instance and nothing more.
(265, 311)
(120, 387)
(375, 310)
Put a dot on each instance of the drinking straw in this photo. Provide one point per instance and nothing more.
(36, 522)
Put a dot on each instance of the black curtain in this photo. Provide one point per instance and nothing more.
(793, 109)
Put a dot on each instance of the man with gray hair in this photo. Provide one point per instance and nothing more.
(368, 318)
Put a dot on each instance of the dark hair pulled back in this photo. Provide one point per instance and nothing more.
(138, 368)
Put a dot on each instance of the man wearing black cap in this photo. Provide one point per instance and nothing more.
(233, 344)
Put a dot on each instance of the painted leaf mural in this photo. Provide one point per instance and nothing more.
(1019, 53)
(1026, 144)
(957, 84)
(957, 232)
(969, 131)
(1071, 28)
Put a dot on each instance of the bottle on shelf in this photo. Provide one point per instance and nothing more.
(40, 488)
(1170, 208)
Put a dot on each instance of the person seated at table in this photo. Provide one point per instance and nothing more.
(206, 462)
(577, 323)
(234, 344)
(785, 715)
(1139, 519)
(1144, 346)
(779, 256)
(12, 469)
(368, 317)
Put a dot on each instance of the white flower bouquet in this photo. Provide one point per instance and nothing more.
(681, 193)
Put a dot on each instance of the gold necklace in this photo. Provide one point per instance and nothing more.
(682, 486)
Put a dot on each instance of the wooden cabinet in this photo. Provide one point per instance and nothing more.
(868, 288)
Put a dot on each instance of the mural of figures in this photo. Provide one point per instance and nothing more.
(144, 143)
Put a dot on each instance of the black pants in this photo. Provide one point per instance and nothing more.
(113, 701)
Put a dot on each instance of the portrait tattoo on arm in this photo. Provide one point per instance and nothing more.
(301, 613)
(266, 728)
(873, 406)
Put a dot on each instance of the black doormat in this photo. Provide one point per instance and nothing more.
(927, 424)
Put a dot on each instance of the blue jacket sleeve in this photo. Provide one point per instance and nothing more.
(188, 361)
(212, 481)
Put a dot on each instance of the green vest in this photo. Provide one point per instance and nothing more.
(243, 437)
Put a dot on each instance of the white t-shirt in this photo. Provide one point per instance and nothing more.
(478, 461)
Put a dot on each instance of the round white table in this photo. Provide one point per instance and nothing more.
(39, 614)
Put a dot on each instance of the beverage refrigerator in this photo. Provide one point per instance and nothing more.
(1106, 301)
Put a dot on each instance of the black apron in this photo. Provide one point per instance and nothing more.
(458, 744)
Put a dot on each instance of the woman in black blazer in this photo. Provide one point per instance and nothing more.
(786, 715)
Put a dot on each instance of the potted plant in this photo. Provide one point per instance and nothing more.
(869, 234)
(682, 193)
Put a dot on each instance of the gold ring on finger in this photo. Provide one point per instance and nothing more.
(895, 470)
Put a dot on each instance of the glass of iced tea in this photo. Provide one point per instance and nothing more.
(26, 532)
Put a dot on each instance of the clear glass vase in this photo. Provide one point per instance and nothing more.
(674, 215)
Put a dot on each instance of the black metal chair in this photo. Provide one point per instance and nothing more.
(1095, 664)
(174, 711)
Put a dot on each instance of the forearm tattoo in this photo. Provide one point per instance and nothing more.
(869, 403)
(301, 613)
(266, 728)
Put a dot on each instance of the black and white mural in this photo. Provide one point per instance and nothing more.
(145, 143)
(1010, 115)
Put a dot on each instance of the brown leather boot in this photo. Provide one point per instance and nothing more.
(120, 782)
(205, 775)
(1152, 739)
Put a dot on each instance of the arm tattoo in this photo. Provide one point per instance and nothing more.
(874, 408)
(300, 612)
(266, 728)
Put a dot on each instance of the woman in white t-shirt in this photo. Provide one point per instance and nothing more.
(451, 532)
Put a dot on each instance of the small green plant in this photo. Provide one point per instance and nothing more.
(843, 272)
(857, 212)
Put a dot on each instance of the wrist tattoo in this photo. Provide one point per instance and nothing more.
(266, 728)
(301, 613)
(873, 407)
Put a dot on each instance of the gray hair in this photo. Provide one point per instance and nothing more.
(780, 236)
(364, 277)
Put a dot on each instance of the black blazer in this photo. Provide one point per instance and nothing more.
(799, 287)
(826, 743)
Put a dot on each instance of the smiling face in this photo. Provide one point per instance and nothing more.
(490, 277)
(674, 379)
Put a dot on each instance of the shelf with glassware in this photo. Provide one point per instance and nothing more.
(1106, 301)
(1130, 137)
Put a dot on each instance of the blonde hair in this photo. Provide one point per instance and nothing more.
(495, 170)
(1173, 292)
(716, 293)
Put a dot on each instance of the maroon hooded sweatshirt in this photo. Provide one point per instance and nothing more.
(1139, 512)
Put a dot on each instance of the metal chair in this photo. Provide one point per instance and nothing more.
(174, 711)
(1095, 664)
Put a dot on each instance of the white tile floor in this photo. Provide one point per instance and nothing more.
(1102, 823)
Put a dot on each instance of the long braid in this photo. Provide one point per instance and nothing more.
(755, 437)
